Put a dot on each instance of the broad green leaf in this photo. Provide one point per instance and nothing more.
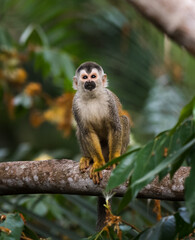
(164, 229)
(184, 214)
(183, 226)
(190, 190)
(31, 31)
(15, 223)
(26, 34)
(186, 112)
(122, 172)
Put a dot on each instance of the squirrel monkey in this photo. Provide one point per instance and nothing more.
(102, 128)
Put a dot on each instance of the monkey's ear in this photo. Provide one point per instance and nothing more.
(105, 80)
(75, 83)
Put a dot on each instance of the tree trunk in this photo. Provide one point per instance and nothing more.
(176, 18)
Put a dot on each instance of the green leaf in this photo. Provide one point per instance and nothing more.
(122, 172)
(164, 229)
(183, 226)
(33, 33)
(186, 112)
(26, 34)
(15, 223)
(190, 190)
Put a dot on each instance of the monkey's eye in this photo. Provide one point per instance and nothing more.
(93, 76)
(84, 77)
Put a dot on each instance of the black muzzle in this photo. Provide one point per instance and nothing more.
(89, 85)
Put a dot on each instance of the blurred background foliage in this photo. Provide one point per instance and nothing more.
(41, 45)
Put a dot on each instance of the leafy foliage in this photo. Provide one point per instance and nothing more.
(159, 155)
(11, 226)
(169, 227)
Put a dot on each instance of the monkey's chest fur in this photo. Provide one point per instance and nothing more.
(95, 114)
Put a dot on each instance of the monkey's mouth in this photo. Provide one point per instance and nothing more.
(89, 85)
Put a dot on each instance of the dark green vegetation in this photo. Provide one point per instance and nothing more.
(43, 42)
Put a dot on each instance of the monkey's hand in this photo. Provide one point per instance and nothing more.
(96, 176)
(84, 163)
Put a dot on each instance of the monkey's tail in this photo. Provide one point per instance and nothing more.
(101, 211)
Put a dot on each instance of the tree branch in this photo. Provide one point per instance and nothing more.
(176, 18)
(63, 176)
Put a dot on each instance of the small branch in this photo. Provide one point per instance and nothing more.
(63, 176)
(176, 18)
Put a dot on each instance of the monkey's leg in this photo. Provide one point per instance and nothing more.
(97, 156)
(91, 143)
(125, 133)
(85, 159)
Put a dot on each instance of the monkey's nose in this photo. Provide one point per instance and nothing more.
(89, 85)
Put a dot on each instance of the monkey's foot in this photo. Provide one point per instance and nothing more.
(84, 163)
(96, 176)
(113, 166)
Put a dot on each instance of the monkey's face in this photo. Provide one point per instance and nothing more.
(90, 80)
